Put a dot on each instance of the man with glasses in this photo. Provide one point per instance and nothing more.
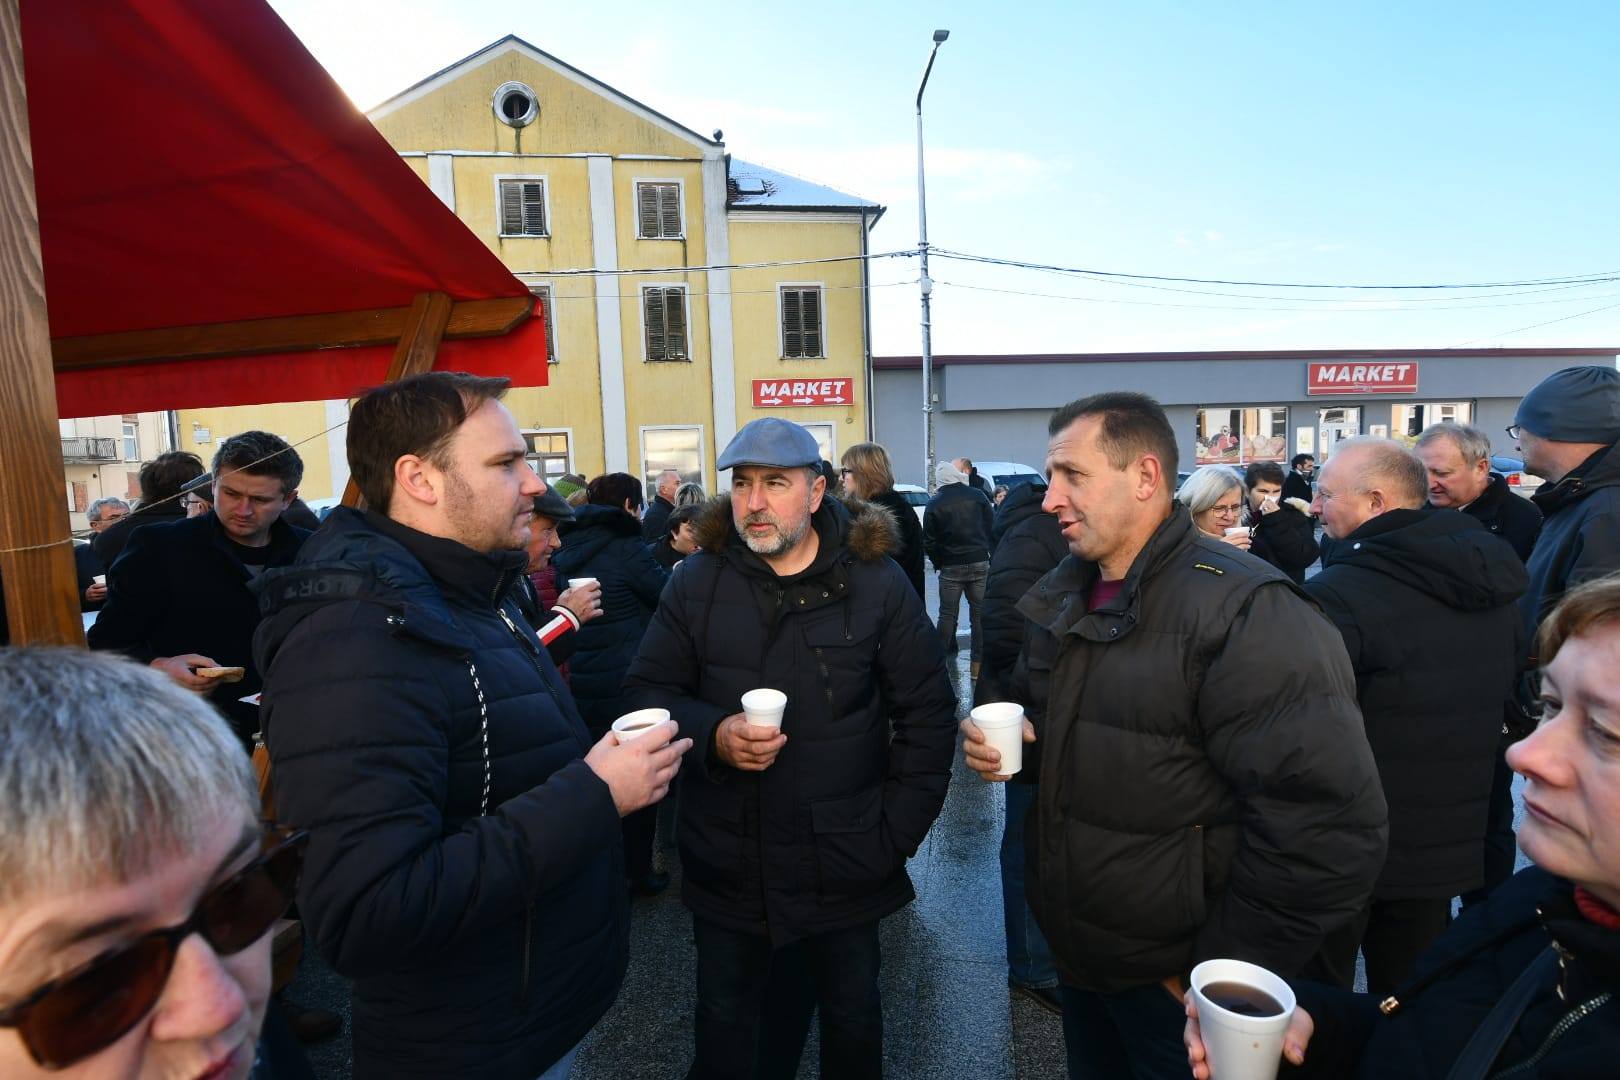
(102, 515)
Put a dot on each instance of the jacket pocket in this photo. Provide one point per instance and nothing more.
(1193, 844)
(852, 853)
(712, 835)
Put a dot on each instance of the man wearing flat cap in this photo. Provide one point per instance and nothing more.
(557, 616)
(794, 840)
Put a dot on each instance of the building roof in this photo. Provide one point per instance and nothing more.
(903, 362)
(755, 187)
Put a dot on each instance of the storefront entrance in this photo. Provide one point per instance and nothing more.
(1337, 424)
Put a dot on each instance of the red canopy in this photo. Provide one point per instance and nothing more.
(195, 165)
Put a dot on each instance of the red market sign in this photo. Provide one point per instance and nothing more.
(1400, 377)
(789, 393)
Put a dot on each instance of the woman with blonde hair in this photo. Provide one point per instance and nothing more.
(868, 476)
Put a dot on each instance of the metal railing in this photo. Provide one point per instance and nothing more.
(82, 449)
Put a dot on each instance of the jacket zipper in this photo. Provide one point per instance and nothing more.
(528, 949)
(1571, 1018)
(528, 908)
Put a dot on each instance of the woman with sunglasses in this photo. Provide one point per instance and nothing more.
(1523, 984)
(138, 887)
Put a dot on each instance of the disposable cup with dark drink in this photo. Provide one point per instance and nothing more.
(1003, 725)
(1243, 1011)
(764, 707)
(635, 725)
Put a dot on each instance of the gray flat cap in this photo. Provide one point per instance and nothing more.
(1577, 405)
(769, 441)
(554, 506)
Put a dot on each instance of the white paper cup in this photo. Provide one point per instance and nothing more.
(635, 725)
(576, 582)
(99, 579)
(1003, 725)
(764, 707)
(1241, 1047)
(1240, 530)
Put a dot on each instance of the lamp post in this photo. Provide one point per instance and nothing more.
(926, 284)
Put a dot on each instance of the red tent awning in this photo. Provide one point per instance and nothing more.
(195, 165)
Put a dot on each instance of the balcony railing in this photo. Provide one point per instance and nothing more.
(89, 450)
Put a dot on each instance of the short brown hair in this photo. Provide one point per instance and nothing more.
(416, 415)
(1133, 425)
(1583, 609)
(163, 477)
(868, 462)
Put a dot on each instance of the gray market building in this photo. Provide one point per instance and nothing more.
(1226, 407)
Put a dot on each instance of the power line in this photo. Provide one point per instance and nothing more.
(1533, 326)
(591, 271)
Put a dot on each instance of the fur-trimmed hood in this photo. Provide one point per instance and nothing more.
(867, 530)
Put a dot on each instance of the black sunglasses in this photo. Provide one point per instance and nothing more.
(92, 1006)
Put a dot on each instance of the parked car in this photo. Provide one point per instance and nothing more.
(1010, 473)
(916, 498)
(1513, 469)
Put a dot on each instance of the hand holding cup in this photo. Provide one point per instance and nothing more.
(745, 745)
(583, 597)
(984, 755)
(1242, 1020)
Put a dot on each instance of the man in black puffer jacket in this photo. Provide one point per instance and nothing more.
(1457, 458)
(464, 870)
(1425, 602)
(1206, 788)
(798, 836)
(956, 536)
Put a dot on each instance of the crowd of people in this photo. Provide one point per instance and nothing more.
(1230, 751)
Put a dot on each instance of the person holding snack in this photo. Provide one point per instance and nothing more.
(177, 595)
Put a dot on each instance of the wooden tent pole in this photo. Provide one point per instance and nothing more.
(36, 554)
(417, 348)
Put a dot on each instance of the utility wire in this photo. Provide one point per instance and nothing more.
(1533, 326)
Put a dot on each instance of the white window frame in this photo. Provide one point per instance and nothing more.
(641, 318)
(130, 432)
(551, 319)
(566, 432)
(781, 317)
(680, 202)
(703, 448)
(545, 199)
(832, 435)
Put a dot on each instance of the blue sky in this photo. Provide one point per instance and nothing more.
(1377, 142)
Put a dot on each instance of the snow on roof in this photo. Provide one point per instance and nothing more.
(753, 185)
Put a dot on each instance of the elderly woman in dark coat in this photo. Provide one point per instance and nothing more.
(1523, 984)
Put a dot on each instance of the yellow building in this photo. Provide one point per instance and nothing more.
(644, 239)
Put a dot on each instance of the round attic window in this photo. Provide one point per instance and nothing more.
(515, 104)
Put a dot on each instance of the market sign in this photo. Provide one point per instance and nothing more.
(788, 393)
(1336, 378)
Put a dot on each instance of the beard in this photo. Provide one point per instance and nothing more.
(477, 524)
(770, 546)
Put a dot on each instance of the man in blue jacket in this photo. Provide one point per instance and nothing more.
(463, 870)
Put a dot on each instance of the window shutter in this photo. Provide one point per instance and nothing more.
(669, 210)
(675, 321)
(792, 337)
(543, 293)
(534, 209)
(810, 322)
(81, 496)
(647, 210)
(653, 314)
(511, 209)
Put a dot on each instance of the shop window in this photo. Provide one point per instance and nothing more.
(548, 454)
(824, 440)
(132, 442)
(523, 206)
(663, 314)
(1407, 421)
(658, 211)
(801, 322)
(678, 448)
(1239, 436)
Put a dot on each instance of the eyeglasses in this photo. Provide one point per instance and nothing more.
(1231, 510)
(1513, 431)
(92, 1006)
(845, 472)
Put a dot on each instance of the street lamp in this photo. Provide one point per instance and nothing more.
(925, 282)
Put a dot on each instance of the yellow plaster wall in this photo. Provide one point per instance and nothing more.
(294, 421)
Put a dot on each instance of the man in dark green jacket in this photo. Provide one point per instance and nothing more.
(1206, 788)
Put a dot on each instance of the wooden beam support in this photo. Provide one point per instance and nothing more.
(418, 345)
(36, 554)
(296, 333)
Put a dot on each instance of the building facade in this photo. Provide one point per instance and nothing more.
(1226, 407)
(102, 456)
(687, 292)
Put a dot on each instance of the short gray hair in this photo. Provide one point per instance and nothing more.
(106, 767)
(1472, 443)
(1204, 488)
(690, 494)
(93, 511)
(1391, 468)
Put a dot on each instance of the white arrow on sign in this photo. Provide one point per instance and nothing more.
(835, 401)
(804, 401)
(770, 401)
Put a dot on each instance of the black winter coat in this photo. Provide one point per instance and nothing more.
(1425, 602)
(819, 841)
(957, 525)
(86, 567)
(1580, 535)
(909, 553)
(1424, 1039)
(1297, 486)
(1028, 544)
(605, 543)
(1510, 516)
(109, 543)
(178, 588)
(1206, 788)
(1285, 538)
(656, 521)
(477, 944)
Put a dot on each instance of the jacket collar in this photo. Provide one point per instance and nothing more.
(1059, 600)
(468, 577)
(1601, 470)
(283, 547)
